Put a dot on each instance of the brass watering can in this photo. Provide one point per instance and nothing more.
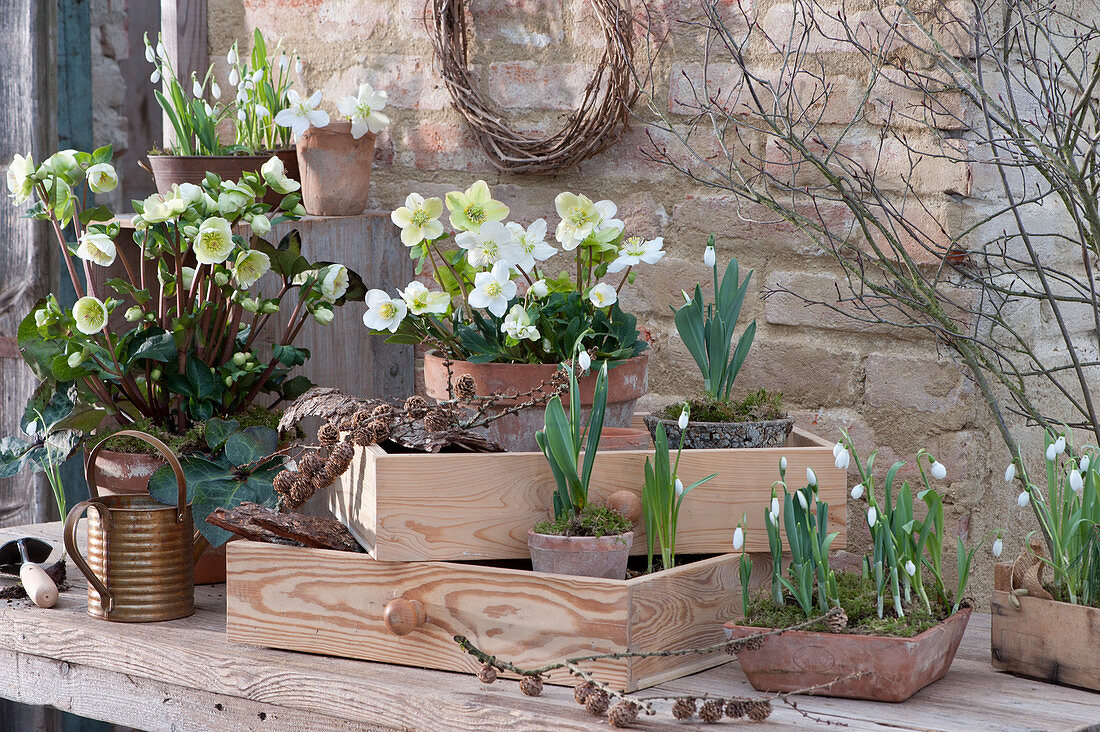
(141, 553)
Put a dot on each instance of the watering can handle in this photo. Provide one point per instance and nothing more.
(164, 450)
(78, 559)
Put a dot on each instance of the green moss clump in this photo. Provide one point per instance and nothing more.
(757, 406)
(857, 598)
(592, 521)
(193, 440)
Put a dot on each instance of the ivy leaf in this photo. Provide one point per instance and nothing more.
(217, 431)
(290, 356)
(251, 445)
(295, 387)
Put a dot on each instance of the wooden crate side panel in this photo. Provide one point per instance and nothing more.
(455, 506)
(353, 497)
(1048, 640)
(331, 603)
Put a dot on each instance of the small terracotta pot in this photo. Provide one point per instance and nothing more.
(335, 170)
(897, 667)
(625, 438)
(176, 169)
(626, 383)
(724, 435)
(584, 556)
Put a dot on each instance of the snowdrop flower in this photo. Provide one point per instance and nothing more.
(837, 448)
(842, 459)
(20, 180)
(708, 256)
(539, 289)
(684, 417)
(418, 219)
(241, 115)
(90, 315)
(1023, 499)
(384, 312)
(364, 111)
(811, 477)
(1060, 444)
(214, 241)
(1052, 452)
(636, 250)
(580, 217)
(1076, 482)
(998, 547)
(584, 361)
(493, 289)
(284, 62)
(231, 57)
(421, 300)
(274, 173)
(490, 244)
(1085, 462)
(215, 90)
(258, 76)
(149, 55)
(857, 491)
(250, 267)
(679, 487)
(775, 506)
(162, 52)
(97, 248)
(234, 78)
(299, 67)
(474, 207)
(102, 177)
(738, 539)
(517, 324)
(603, 295)
(872, 516)
(531, 243)
(262, 112)
(802, 500)
(774, 518)
(301, 113)
(196, 89)
(1010, 473)
(910, 568)
(783, 464)
(334, 282)
(939, 471)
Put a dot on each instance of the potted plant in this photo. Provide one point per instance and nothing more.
(897, 620)
(196, 114)
(707, 329)
(189, 346)
(342, 151)
(582, 539)
(1052, 590)
(482, 324)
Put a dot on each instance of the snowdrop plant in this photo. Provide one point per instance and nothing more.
(503, 304)
(192, 105)
(263, 94)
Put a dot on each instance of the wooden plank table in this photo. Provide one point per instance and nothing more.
(183, 675)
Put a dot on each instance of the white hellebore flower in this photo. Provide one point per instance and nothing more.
(20, 182)
(364, 111)
(493, 289)
(636, 250)
(97, 248)
(517, 324)
(872, 516)
(708, 256)
(491, 244)
(1023, 499)
(584, 361)
(531, 244)
(683, 421)
(910, 568)
(384, 312)
(1076, 482)
(679, 485)
(998, 547)
(842, 459)
(857, 491)
(90, 315)
(214, 241)
(334, 282)
(102, 177)
(274, 172)
(539, 289)
(603, 295)
(1060, 444)
(579, 218)
(301, 113)
(738, 539)
(1052, 452)
(1010, 473)
(811, 477)
(250, 267)
(939, 471)
(418, 219)
(260, 224)
(422, 300)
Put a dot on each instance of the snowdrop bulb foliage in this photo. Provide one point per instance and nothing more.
(679, 487)
(708, 256)
(1023, 499)
(998, 547)
(1052, 452)
(842, 459)
(939, 471)
(683, 421)
(1075, 481)
(811, 477)
(910, 568)
(857, 491)
(584, 361)
(1010, 473)
(872, 516)
(738, 539)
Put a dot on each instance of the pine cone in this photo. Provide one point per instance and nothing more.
(329, 434)
(360, 418)
(301, 490)
(437, 420)
(581, 693)
(362, 436)
(711, 711)
(623, 714)
(322, 479)
(340, 459)
(380, 428)
(310, 464)
(737, 709)
(465, 388)
(486, 674)
(684, 707)
(384, 411)
(837, 623)
(531, 685)
(416, 406)
(760, 710)
(284, 482)
(596, 704)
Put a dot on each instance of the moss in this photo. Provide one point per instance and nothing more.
(193, 440)
(592, 521)
(857, 598)
(757, 406)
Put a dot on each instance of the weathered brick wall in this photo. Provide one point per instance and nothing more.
(533, 57)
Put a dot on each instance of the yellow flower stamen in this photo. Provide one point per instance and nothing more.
(493, 289)
(387, 311)
(474, 213)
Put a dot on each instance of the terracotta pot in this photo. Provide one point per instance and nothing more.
(584, 556)
(624, 438)
(626, 383)
(724, 435)
(176, 169)
(898, 667)
(335, 170)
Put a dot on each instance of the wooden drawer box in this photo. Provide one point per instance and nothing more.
(331, 603)
(414, 507)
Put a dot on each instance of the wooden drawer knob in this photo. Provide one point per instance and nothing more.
(403, 616)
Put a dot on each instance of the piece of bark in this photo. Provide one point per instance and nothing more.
(241, 521)
(320, 532)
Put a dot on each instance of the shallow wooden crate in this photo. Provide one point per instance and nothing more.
(1044, 639)
(332, 603)
(416, 507)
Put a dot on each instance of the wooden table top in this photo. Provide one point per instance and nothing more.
(184, 675)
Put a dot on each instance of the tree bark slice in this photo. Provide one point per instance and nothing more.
(258, 523)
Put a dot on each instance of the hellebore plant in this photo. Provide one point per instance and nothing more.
(663, 494)
(496, 302)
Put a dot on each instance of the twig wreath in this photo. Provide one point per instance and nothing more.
(593, 127)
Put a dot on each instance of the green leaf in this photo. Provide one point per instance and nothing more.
(295, 387)
(217, 431)
(155, 344)
(123, 287)
(201, 378)
(251, 445)
(47, 407)
(290, 356)
(99, 213)
(37, 351)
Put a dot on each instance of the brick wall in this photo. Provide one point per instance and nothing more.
(533, 56)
